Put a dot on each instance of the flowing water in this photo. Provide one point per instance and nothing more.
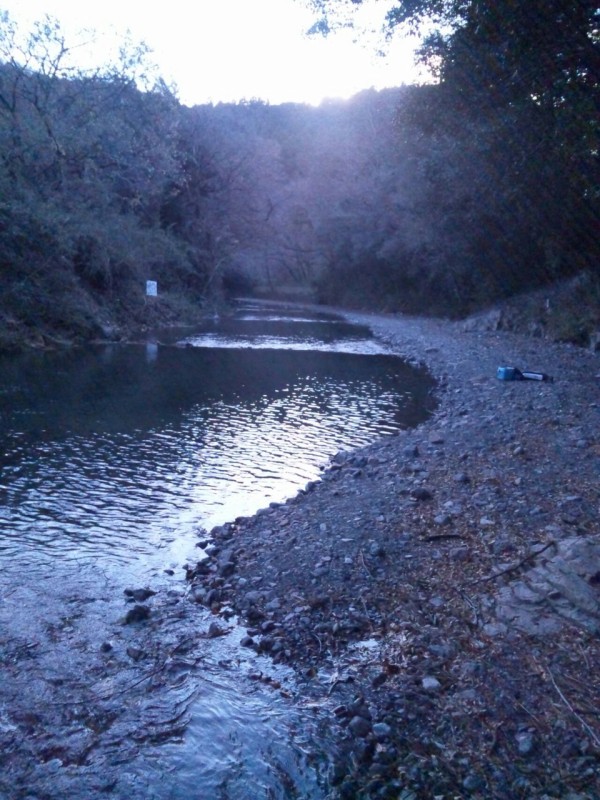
(114, 460)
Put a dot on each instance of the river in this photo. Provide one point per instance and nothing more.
(115, 462)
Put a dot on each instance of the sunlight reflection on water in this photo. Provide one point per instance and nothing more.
(113, 460)
(113, 455)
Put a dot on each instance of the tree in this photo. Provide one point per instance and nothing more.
(522, 79)
(85, 159)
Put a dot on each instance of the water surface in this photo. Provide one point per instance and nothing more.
(114, 461)
(122, 453)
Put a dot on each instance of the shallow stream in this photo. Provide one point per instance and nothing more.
(114, 462)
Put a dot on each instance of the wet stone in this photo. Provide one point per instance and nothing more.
(377, 550)
(250, 598)
(436, 438)
(503, 545)
(495, 629)
(462, 477)
(139, 595)
(227, 569)
(212, 596)
(473, 782)
(379, 679)
(459, 554)
(421, 494)
(198, 594)
(255, 614)
(137, 614)
(359, 727)
(382, 730)
(215, 630)
(525, 742)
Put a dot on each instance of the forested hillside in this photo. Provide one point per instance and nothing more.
(442, 198)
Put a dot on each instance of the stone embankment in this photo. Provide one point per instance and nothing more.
(439, 591)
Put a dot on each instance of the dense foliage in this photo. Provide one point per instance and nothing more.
(437, 198)
(90, 169)
(512, 181)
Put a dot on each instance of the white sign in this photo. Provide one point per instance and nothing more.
(151, 288)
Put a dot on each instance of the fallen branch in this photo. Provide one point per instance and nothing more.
(580, 719)
(513, 567)
(364, 563)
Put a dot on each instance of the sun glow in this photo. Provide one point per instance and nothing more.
(231, 50)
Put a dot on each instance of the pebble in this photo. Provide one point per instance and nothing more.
(198, 594)
(250, 598)
(503, 546)
(421, 494)
(215, 630)
(525, 742)
(430, 684)
(137, 614)
(495, 629)
(411, 451)
(139, 595)
(442, 650)
(360, 727)
(379, 679)
(459, 554)
(473, 782)
(382, 730)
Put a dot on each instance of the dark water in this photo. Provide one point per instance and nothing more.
(122, 452)
(113, 459)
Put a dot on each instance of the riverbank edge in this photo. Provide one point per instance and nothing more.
(566, 311)
(452, 493)
(380, 586)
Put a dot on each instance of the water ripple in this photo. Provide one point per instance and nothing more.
(104, 453)
(111, 464)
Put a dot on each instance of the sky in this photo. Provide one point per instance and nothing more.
(231, 50)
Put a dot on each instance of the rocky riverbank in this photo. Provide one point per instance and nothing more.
(437, 595)
(439, 591)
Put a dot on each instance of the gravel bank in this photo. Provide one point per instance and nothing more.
(439, 591)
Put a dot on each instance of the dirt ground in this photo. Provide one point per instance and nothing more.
(439, 591)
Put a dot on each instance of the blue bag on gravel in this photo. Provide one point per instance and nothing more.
(514, 374)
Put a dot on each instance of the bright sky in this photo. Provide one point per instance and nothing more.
(229, 50)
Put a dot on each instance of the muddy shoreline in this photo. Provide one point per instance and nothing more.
(437, 595)
(439, 591)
